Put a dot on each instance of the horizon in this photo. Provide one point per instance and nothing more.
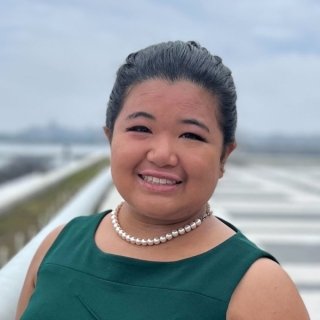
(77, 130)
(57, 134)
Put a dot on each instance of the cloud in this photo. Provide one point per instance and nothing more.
(58, 59)
(280, 94)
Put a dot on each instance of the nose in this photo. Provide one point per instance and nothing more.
(163, 153)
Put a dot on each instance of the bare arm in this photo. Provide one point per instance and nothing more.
(266, 292)
(31, 277)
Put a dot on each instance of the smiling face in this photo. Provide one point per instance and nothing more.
(166, 149)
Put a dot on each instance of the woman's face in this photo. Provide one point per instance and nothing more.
(166, 149)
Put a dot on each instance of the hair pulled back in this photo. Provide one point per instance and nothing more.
(175, 61)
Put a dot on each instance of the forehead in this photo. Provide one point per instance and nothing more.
(182, 96)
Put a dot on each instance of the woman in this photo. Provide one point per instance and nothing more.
(162, 254)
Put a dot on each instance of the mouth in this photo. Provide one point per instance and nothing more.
(159, 181)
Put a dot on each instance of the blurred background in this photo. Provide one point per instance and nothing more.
(57, 66)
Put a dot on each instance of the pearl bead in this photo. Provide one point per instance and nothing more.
(175, 233)
(132, 240)
(158, 240)
(163, 239)
(169, 236)
(193, 225)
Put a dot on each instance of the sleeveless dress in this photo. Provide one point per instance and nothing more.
(76, 280)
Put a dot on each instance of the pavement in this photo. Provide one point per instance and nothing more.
(277, 205)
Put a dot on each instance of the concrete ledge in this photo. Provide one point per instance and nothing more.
(21, 188)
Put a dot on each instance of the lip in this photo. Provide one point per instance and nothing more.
(160, 175)
(158, 187)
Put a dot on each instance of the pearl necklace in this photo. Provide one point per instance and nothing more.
(157, 240)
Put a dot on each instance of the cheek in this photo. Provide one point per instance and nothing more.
(120, 164)
(120, 147)
(117, 155)
(206, 162)
(124, 155)
(205, 169)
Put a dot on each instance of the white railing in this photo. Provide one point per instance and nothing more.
(21, 188)
(13, 273)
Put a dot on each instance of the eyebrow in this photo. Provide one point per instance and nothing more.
(140, 114)
(147, 115)
(196, 123)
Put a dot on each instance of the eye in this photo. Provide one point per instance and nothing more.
(193, 136)
(142, 129)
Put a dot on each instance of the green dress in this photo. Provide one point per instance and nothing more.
(78, 281)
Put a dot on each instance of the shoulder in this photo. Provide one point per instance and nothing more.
(44, 247)
(266, 292)
(31, 277)
(42, 250)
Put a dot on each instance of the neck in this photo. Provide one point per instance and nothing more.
(151, 233)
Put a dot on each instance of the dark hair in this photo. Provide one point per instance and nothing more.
(174, 61)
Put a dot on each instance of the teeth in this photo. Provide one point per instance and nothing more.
(155, 180)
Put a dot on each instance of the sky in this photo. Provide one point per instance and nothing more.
(58, 59)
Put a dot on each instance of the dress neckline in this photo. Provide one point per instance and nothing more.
(132, 260)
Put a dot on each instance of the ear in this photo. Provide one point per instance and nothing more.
(225, 155)
(108, 133)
